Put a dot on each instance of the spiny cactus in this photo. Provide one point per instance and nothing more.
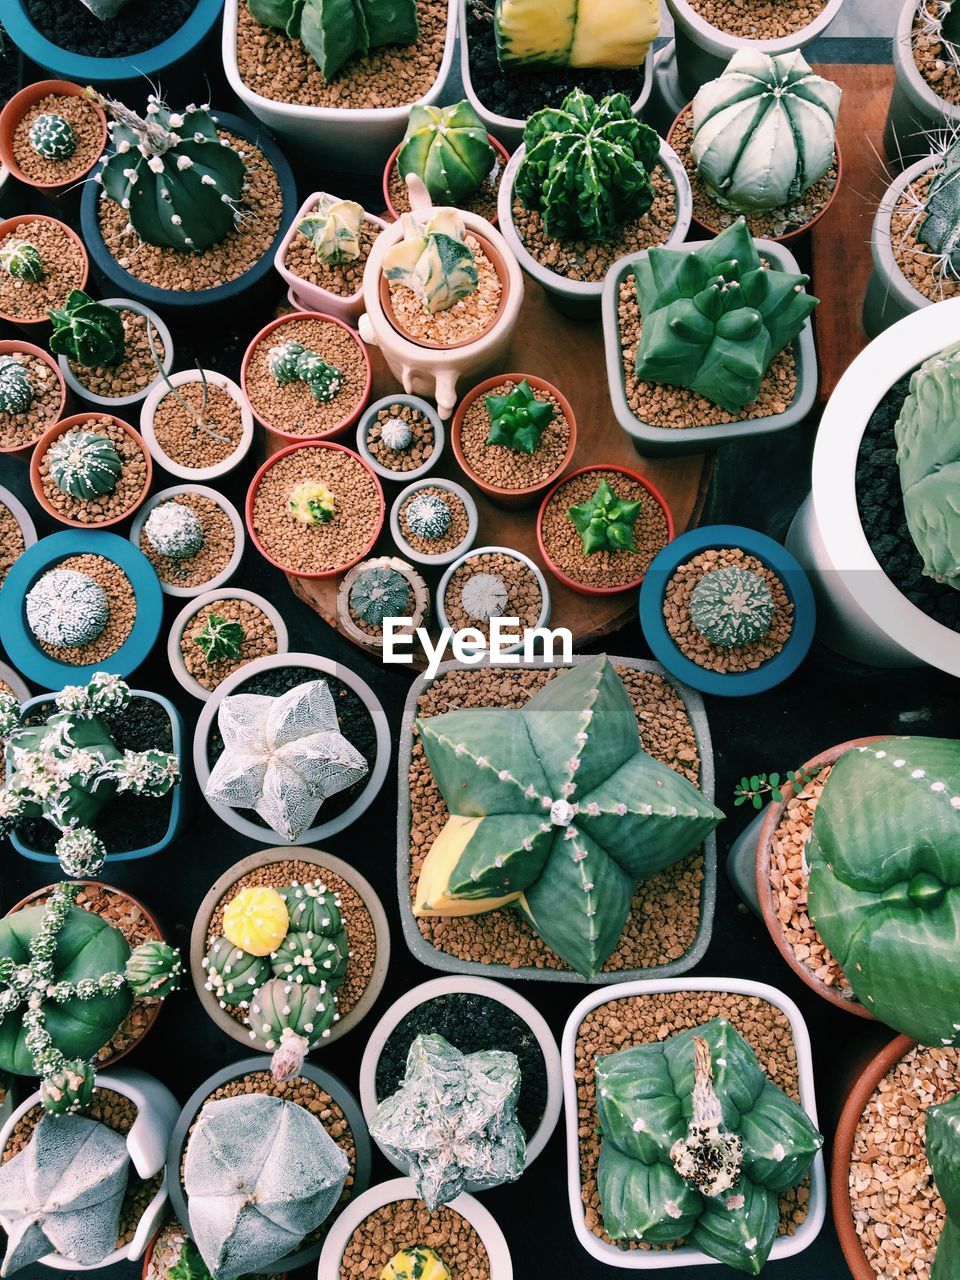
(234, 975)
(605, 522)
(696, 1144)
(260, 1174)
(714, 318)
(22, 260)
(282, 361)
(68, 1090)
(764, 131)
(379, 593)
(518, 419)
(16, 386)
(63, 1193)
(484, 596)
(220, 639)
(396, 435)
(427, 515)
(332, 34)
(731, 607)
(433, 260)
(942, 1126)
(324, 380)
(66, 608)
(587, 167)
(174, 530)
(52, 137)
(87, 332)
(333, 229)
(417, 1262)
(588, 34)
(556, 808)
(154, 970)
(449, 151)
(453, 1120)
(939, 226)
(84, 464)
(291, 1017)
(311, 502)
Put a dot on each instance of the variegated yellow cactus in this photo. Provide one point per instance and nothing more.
(333, 230)
(433, 259)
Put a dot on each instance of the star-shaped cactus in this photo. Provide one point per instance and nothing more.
(556, 808)
(283, 756)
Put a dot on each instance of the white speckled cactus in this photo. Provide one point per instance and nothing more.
(380, 593)
(22, 260)
(290, 1018)
(282, 361)
(333, 229)
(173, 529)
(52, 137)
(396, 434)
(433, 260)
(427, 515)
(16, 386)
(66, 608)
(731, 607)
(484, 596)
(84, 464)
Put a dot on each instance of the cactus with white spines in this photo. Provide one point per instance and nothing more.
(282, 361)
(323, 379)
(174, 530)
(396, 435)
(428, 515)
(52, 137)
(484, 596)
(66, 608)
(68, 1090)
(234, 975)
(16, 386)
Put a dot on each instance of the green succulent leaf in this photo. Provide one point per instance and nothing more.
(87, 332)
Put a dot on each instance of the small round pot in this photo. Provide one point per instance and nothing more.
(322, 666)
(323, 862)
(10, 347)
(229, 510)
(370, 417)
(890, 296)
(346, 422)
(28, 529)
(542, 619)
(503, 157)
(9, 225)
(123, 402)
(440, 557)
(421, 598)
(163, 459)
(174, 655)
(580, 587)
(68, 424)
(916, 111)
(530, 494)
(330, 1084)
(17, 108)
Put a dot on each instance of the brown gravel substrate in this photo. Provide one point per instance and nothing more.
(759, 19)
(4, 688)
(12, 545)
(290, 406)
(212, 558)
(634, 1020)
(507, 468)
(63, 271)
(277, 67)
(603, 568)
(259, 639)
(483, 202)
(665, 913)
(897, 1211)
(18, 430)
(456, 530)
(932, 60)
(236, 253)
(376, 633)
(345, 279)
(524, 599)
(676, 613)
(661, 405)
(464, 321)
(917, 262)
(581, 260)
(403, 1223)
(130, 483)
(87, 130)
(123, 611)
(186, 441)
(317, 548)
(417, 452)
(135, 372)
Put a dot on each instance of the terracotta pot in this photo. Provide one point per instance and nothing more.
(345, 423)
(581, 587)
(17, 108)
(527, 496)
(12, 347)
(503, 159)
(8, 226)
(68, 424)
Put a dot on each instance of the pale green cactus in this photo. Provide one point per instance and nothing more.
(379, 593)
(731, 607)
(333, 230)
(942, 1128)
(154, 970)
(484, 596)
(52, 137)
(427, 515)
(23, 261)
(433, 260)
(449, 151)
(16, 386)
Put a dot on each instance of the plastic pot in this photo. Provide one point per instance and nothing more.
(542, 618)
(17, 108)
(40, 324)
(890, 295)
(175, 656)
(10, 347)
(123, 402)
(503, 157)
(440, 557)
(915, 111)
(69, 424)
(370, 417)
(162, 459)
(229, 510)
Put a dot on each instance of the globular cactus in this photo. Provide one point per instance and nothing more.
(731, 607)
(379, 593)
(939, 227)
(555, 807)
(256, 919)
(396, 435)
(16, 386)
(427, 515)
(697, 1143)
(484, 596)
(518, 419)
(220, 639)
(592, 33)
(68, 1090)
(324, 380)
(84, 465)
(290, 1018)
(312, 907)
(311, 502)
(22, 260)
(66, 608)
(154, 970)
(417, 1262)
(282, 361)
(942, 1139)
(449, 151)
(764, 131)
(714, 318)
(306, 957)
(234, 975)
(433, 260)
(605, 522)
(52, 137)
(174, 530)
(87, 332)
(333, 34)
(333, 229)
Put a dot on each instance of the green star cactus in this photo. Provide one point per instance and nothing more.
(174, 530)
(87, 332)
(519, 419)
(52, 137)
(928, 455)
(883, 861)
(556, 808)
(333, 32)
(449, 151)
(290, 1018)
(587, 167)
(68, 1090)
(696, 1144)
(220, 640)
(731, 607)
(606, 522)
(22, 260)
(433, 260)
(16, 386)
(84, 465)
(380, 593)
(943, 1155)
(67, 609)
(939, 228)
(714, 318)
(427, 515)
(333, 230)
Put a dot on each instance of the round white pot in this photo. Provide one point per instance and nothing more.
(686, 1255)
(492, 991)
(915, 109)
(441, 557)
(175, 657)
(370, 417)
(544, 616)
(483, 1222)
(860, 612)
(890, 296)
(115, 403)
(159, 391)
(157, 1113)
(239, 536)
(323, 666)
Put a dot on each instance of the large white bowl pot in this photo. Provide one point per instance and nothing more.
(440, 557)
(686, 1255)
(225, 505)
(351, 139)
(504, 995)
(435, 371)
(860, 612)
(115, 403)
(544, 615)
(174, 655)
(157, 1113)
(916, 110)
(890, 296)
(185, 378)
(482, 1221)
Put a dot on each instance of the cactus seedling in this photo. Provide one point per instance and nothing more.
(282, 361)
(68, 1090)
(52, 137)
(433, 260)
(220, 639)
(484, 596)
(418, 1262)
(16, 386)
(189, 1265)
(324, 380)
(22, 260)
(519, 419)
(67, 609)
(606, 522)
(942, 1125)
(84, 465)
(449, 151)
(174, 530)
(427, 515)
(87, 332)
(731, 607)
(333, 230)
(380, 593)
(311, 502)
(396, 434)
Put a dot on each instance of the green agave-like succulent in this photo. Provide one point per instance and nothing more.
(220, 639)
(333, 31)
(605, 522)
(942, 1127)
(87, 332)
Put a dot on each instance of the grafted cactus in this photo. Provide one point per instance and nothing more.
(449, 151)
(427, 515)
(16, 386)
(333, 229)
(942, 1124)
(87, 332)
(334, 32)
(84, 464)
(174, 530)
(311, 502)
(324, 380)
(68, 1090)
(52, 137)
(697, 1143)
(731, 607)
(555, 807)
(290, 1018)
(380, 593)
(433, 260)
(518, 419)
(606, 522)
(22, 260)
(591, 33)
(714, 318)
(220, 639)
(66, 608)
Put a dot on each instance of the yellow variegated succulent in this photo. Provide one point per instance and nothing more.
(333, 230)
(576, 33)
(433, 259)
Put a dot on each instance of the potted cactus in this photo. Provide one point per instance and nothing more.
(91, 470)
(192, 535)
(51, 135)
(400, 437)
(434, 521)
(197, 424)
(41, 260)
(926, 90)
(33, 396)
(377, 589)
(323, 254)
(218, 632)
(488, 585)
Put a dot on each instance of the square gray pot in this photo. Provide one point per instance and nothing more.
(427, 954)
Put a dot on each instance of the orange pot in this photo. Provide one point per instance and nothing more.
(503, 158)
(17, 108)
(12, 347)
(58, 429)
(8, 226)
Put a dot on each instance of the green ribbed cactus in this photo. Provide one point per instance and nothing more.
(16, 386)
(731, 607)
(220, 639)
(556, 808)
(52, 137)
(939, 228)
(605, 522)
(312, 958)
(189, 1265)
(234, 975)
(333, 31)
(433, 260)
(714, 318)
(518, 419)
(84, 464)
(154, 970)
(87, 332)
(696, 1144)
(68, 1090)
(928, 455)
(380, 593)
(942, 1124)
(324, 380)
(22, 260)
(884, 862)
(449, 151)
(312, 907)
(333, 229)
(290, 1018)
(282, 361)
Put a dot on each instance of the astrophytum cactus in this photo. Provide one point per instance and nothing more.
(731, 607)
(605, 522)
(220, 639)
(433, 260)
(396, 435)
(518, 419)
(52, 137)
(449, 151)
(282, 361)
(333, 229)
(16, 386)
(290, 1018)
(174, 530)
(942, 1124)
(379, 593)
(66, 609)
(556, 808)
(333, 32)
(84, 465)
(22, 260)
(427, 515)
(87, 332)
(154, 970)
(68, 1090)
(416, 1262)
(592, 33)
(311, 502)
(484, 596)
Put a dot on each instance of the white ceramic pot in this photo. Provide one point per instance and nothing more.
(117, 403)
(370, 417)
(860, 612)
(162, 459)
(175, 657)
(323, 666)
(239, 536)
(686, 1255)
(890, 295)
(916, 111)
(312, 297)
(501, 1268)
(157, 1113)
(544, 616)
(441, 557)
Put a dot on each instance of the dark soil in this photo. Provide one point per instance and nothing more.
(140, 25)
(9, 67)
(470, 1023)
(519, 93)
(356, 726)
(880, 501)
(128, 821)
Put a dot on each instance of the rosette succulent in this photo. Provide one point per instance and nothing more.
(16, 386)
(52, 137)
(333, 32)
(333, 229)
(84, 464)
(22, 260)
(942, 1125)
(731, 607)
(219, 639)
(449, 151)
(433, 260)
(591, 33)
(87, 332)
(606, 522)
(518, 419)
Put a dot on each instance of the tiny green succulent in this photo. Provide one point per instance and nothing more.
(16, 386)
(754, 789)
(282, 361)
(52, 137)
(68, 1089)
(87, 332)
(189, 1265)
(605, 523)
(219, 640)
(22, 260)
(311, 502)
(518, 419)
(731, 607)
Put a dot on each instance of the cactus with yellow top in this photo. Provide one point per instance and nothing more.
(433, 259)
(418, 1262)
(333, 229)
(575, 33)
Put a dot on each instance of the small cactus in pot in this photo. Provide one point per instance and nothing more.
(16, 386)
(380, 593)
(433, 260)
(84, 464)
(52, 137)
(427, 515)
(23, 261)
(731, 607)
(87, 332)
(67, 609)
(68, 1090)
(518, 419)
(220, 639)
(448, 150)
(174, 530)
(333, 229)
(606, 522)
